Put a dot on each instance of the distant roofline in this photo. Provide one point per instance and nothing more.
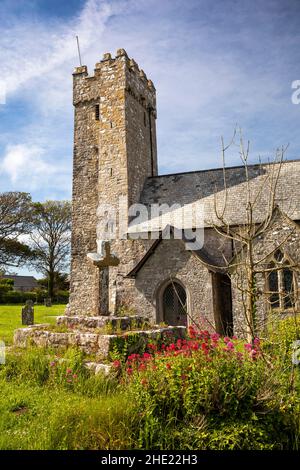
(221, 168)
(17, 275)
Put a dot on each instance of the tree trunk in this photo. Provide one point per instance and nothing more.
(51, 284)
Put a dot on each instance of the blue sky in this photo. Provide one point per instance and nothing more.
(215, 64)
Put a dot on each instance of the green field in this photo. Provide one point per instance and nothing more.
(10, 318)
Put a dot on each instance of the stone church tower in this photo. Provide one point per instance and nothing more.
(114, 152)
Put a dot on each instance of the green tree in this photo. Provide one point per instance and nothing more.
(50, 239)
(15, 225)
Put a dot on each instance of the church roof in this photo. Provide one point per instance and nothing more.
(207, 188)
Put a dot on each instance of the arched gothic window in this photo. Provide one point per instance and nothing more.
(281, 282)
(174, 303)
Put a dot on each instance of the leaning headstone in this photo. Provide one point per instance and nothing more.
(28, 313)
(48, 302)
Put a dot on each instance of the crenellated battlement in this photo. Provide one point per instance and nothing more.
(108, 69)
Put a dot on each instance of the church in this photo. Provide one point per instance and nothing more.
(145, 267)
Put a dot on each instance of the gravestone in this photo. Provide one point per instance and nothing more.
(48, 302)
(28, 313)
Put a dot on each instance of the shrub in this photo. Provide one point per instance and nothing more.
(281, 335)
(213, 380)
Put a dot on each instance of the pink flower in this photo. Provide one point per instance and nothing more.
(253, 354)
(215, 337)
(230, 346)
(256, 341)
(69, 371)
(226, 339)
(248, 346)
(117, 364)
(52, 364)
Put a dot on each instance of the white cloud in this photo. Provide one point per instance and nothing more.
(209, 69)
(31, 49)
(25, 164)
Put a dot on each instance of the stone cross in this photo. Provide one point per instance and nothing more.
(28, 313)
(103, 257)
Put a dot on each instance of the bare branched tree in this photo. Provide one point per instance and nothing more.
(245, 265)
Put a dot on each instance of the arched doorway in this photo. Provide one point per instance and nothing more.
(174, 304)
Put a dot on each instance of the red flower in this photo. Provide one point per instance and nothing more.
(215, 337)
(168, 365)
(129, 370)
(192, 332)
(117, 364)
(133, 357)
(147, 356)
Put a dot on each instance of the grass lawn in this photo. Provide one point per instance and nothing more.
(10, 318)
(43, 417)
(45, 406)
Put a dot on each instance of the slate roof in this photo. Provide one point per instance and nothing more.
(207, 187)
(22, 282)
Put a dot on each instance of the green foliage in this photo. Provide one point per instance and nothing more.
(221, 400)
(125, 345)
(8, 296)
(6, 285)
(216, 396)
(281, 335)
(17, 297)
(125, 311)
(57, 418)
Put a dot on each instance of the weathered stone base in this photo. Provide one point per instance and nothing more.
(82, 332)
(82, 322)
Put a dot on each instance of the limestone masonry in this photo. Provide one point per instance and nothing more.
(115, 156)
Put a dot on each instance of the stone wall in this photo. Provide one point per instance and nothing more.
(283, 233)
(112, 158)
(172, 260)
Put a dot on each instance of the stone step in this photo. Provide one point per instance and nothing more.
(91, 343)
(114, 322)
(99, 368)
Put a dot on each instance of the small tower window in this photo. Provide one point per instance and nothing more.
(97, 112)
